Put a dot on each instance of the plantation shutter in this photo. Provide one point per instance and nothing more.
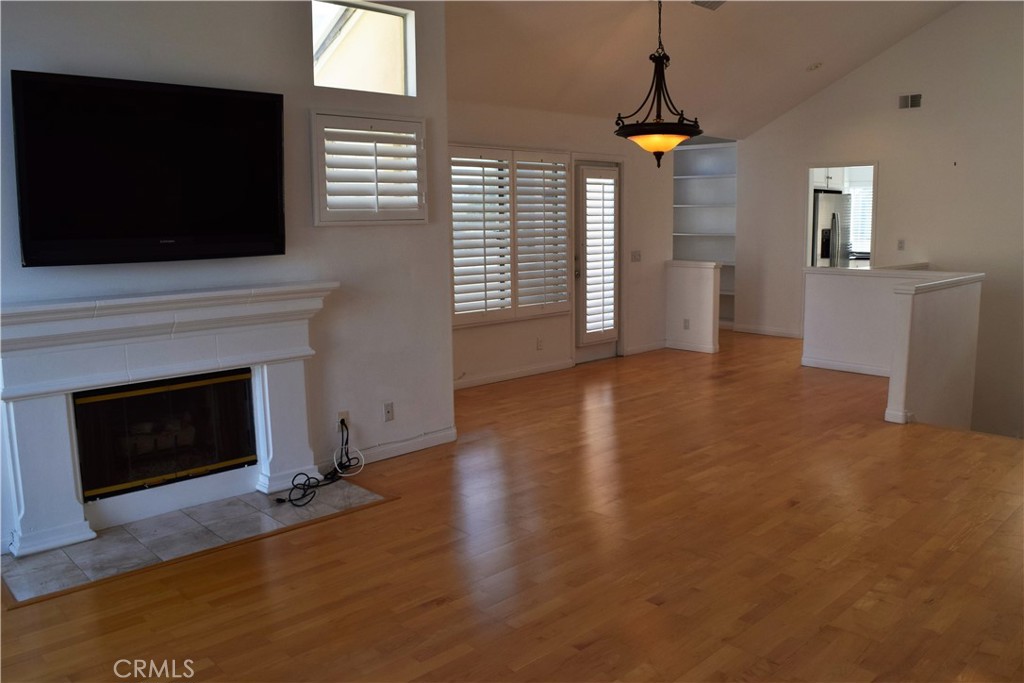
(597, 267)
(542, 232)
(369, 169)
(481, 234)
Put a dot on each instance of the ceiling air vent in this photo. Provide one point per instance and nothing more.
(709, 5)
(910, 101)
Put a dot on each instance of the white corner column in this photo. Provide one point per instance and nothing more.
(42, 475)
(282, 428)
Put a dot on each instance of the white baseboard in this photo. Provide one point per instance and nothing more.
(859, 368)
(898, 416)
(687, 346)
(395, 448)
(768, 331)
(642, 348)
(513, 374)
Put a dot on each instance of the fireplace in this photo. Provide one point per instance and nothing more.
(60, 359)
(138, 436)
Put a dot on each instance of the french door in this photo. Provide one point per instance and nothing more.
(597, 261)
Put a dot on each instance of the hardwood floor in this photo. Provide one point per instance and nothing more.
(667, 516)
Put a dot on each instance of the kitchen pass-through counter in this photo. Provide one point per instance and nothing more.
(916, 326)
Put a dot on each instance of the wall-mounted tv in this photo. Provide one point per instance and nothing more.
(116, 171)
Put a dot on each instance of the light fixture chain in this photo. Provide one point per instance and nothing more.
(661, 48)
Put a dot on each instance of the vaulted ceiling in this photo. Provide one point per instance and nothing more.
(736, 68)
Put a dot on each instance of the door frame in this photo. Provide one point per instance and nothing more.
(608, 349)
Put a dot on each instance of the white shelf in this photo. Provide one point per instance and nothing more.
(704, 208)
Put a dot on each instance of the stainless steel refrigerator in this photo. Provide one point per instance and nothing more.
(830, 246)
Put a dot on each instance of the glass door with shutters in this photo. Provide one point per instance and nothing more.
(597, 248)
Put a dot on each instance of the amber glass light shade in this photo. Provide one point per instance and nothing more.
(658, 143)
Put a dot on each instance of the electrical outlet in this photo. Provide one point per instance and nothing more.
(636, 256)
(389, 411)
(686, 323)
(540, 344)
(901, 245)
(343, 415)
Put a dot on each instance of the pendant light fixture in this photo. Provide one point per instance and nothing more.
(656, 134)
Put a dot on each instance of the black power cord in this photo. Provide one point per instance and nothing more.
(304, 486)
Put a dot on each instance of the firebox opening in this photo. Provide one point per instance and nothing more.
(153, 433)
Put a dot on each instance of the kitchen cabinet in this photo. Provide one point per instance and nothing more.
(828, 178)
(704, 213)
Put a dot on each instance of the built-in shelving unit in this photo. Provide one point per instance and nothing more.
(704, 208)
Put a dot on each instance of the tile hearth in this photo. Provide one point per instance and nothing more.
(169, 536)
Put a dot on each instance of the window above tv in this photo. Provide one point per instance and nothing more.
(364, 46)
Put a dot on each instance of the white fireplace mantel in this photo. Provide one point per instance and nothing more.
(50, 349)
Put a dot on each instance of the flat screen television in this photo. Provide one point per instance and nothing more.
(116, 171)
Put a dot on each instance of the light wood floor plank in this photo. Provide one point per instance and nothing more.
(666, 516)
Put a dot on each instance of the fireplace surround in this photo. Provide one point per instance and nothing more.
(50, 350)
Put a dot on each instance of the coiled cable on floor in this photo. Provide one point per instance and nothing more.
(303, 489)
(304, 486)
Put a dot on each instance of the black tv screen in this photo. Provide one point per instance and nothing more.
(116, 171)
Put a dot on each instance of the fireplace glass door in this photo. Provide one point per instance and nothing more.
(143, 435)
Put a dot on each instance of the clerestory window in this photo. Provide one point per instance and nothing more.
(364, 46)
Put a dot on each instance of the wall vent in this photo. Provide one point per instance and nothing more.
(708, 4)
(910, 101)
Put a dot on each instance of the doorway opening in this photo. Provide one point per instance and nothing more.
(841, 214)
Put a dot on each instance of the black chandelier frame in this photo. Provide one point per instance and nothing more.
(657, 100)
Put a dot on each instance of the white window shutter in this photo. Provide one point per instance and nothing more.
(542, 232)
(368, 170)
(598, 267)
(481, 235)
(861, 202)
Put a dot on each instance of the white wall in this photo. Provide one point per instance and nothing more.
(509, 349)
(950, 176)
(385, 335)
